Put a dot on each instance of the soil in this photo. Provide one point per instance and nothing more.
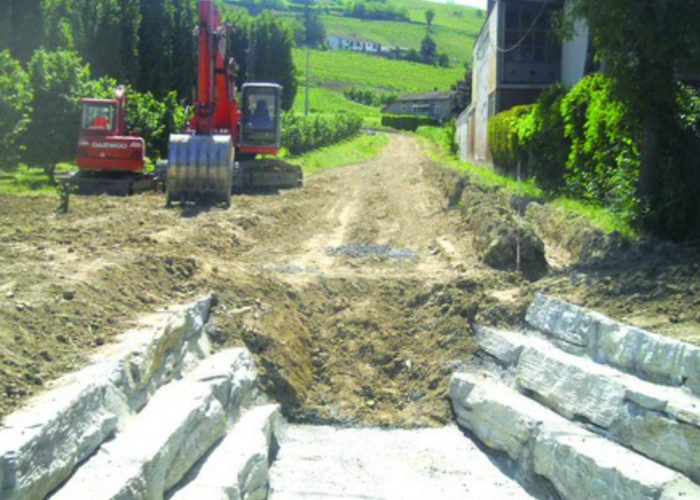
(357, 293)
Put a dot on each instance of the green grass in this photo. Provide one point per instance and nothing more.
(356, 150)
(450, 16)
(26, 181)
(457, 43)
(343, 69)
(327, 101)
(597, 216)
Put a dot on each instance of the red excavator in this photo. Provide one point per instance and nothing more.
(217, 153)
(110, 160)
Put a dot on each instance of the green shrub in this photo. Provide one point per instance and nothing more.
(503, 137)
(408, 122)
(541, 135)
(603, 162)
(304, 133)
(15, 107)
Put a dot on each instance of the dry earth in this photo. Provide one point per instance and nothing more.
(356, 293)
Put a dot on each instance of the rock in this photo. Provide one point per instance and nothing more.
(578, 463)
(160, 444)
(42, 443)
(661, 422)
(633, 350)
(584, 466)
(238, 466)
(69, 294)
(501, 345)
(668, 441)
(571, 390)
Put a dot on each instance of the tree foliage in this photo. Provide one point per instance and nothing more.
(270, 55)
(645, 45)
(304, 133)
(57, 79)
(15, 107)
(462, 92)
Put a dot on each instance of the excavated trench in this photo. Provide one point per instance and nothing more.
(358, 297)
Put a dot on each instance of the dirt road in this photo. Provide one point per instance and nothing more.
(355, 293)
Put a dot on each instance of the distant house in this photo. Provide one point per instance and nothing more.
(517, 55)
(354, 44)
(436, 105)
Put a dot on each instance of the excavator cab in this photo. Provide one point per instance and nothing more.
(261, 115)
(99, 116)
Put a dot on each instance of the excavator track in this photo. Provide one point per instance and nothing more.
(111, 183)
(200, 169)
(266, 175)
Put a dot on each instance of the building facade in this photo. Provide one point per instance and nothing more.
(517, 55)
(437, 105)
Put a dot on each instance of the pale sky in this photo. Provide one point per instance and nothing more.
(472, 3)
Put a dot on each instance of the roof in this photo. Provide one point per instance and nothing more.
(427, 96)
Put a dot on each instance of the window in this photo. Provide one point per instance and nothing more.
(261, 115)
(98, 117)
(541, 44)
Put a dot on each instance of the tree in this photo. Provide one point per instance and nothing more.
(314, 30)
(24, 28)
(183, 47)
(155, 47)
(428, 50)
(270, 55)
(429, 16)
(15, 106)
(58, 80)
(644, 44)
(462, 91)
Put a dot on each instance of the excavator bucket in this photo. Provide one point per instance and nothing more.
(200, 168)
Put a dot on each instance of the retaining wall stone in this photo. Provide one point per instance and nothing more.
(41, 444)
(179, 425)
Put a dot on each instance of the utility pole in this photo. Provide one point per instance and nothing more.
(308, 61)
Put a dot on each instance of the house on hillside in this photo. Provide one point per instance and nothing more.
(516, 56)
(436, 105)
(354, 44)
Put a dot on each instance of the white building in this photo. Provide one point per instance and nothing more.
(516, 56)
(354, 44)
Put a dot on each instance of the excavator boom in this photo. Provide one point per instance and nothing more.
(202, 160)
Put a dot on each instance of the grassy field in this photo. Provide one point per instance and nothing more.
(342, 69)
(25, 180)
(457, 43)
(327, 101)
(600, 217)
(356, 150)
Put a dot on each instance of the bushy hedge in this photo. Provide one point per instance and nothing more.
(304, 133)
(582, 142)
(408, 122)
(603, 162)
(541, 135)
(370, 97)
(503, 137)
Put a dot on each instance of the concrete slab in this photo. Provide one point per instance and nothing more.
(320, 462)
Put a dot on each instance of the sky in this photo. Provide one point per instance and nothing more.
(472, 3)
